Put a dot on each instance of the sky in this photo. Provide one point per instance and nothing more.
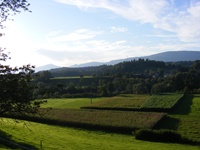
(68, 32)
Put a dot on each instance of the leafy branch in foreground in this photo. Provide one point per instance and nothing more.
(15, 82)
(14, 6)
(16, 90)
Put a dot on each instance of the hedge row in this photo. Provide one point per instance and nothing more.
(166, 136)
(129, 109)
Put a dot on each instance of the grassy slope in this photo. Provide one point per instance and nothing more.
(62, 138)
(185, 118)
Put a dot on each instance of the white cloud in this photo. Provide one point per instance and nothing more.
(81, 34)
(163, 14)
(81, 51)
(118, 29)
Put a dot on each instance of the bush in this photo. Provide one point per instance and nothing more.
(158, 136)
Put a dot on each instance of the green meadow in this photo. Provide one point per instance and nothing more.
(50, 137)
(122, 101)
(74, 103)
(184, 119)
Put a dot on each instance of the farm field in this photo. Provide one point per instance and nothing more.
(72, 77)
(164, 101)
(63, 103)
(64, 138)
(184, 119)
(122, 101)
(156, 102)
(117, 121)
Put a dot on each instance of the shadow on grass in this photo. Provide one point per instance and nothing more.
(183, 107)
(7, 142)
(168, 123)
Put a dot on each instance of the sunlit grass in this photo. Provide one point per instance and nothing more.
(62, 138)
(122, 101)
(185, 118)
(75, 103)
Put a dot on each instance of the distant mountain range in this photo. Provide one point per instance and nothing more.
(46, 67)
(169, 56)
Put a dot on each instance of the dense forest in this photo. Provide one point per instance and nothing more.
(141, 76)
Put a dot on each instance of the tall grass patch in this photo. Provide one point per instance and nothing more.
(115, 121)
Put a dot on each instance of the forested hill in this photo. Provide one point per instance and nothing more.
(141, 76)
(140, 66)
(169, 56)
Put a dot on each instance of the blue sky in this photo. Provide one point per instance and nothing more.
(68, 32)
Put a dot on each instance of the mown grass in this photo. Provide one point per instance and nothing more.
(75, 103)
(122, 101)
(185, 119)
(164, 101)
(62, 138)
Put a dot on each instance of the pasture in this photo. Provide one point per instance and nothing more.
(64, 138)
(64, 103)
(122, 101)
(184, 119)
(157, 102)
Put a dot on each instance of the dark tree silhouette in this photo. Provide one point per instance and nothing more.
(15, 83)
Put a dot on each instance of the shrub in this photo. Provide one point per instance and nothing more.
(158, 136)
(167, 136)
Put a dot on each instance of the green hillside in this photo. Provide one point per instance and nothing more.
(184, 119)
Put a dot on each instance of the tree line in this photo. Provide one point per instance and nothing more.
(141, 76)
